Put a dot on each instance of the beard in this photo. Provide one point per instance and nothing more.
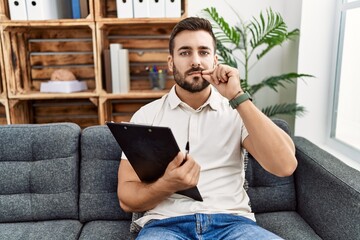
(196, 85)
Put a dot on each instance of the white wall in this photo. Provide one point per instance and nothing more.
(279, 60)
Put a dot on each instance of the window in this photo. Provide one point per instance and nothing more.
(346, 113)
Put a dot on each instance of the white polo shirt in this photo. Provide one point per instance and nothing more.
(215, 132)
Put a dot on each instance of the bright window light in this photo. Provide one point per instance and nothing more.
(346, 116)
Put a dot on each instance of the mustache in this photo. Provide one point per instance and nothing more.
(194, 70)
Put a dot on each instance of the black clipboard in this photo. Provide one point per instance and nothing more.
(149, 150)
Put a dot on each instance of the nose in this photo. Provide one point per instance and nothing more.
(194, 65)
(195, 61)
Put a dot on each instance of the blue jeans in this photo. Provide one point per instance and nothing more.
(204, 226)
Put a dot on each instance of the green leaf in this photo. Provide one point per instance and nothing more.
(226, 33)
(271, 32)
(292, 109)
(276, 81)
(225, 55)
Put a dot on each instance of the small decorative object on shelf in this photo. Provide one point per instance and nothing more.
(63, 81)
(62, 75)
(157, 78)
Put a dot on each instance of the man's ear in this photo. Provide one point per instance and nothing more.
(170, 63)
(216, 61)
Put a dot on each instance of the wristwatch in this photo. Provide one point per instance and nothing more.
(240, 99)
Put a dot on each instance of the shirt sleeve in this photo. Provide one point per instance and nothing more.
(244, 132)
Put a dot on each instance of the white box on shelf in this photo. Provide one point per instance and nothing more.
(125, 8)
(63, 86)
(172, 8)
(48, 9)
(18, 10)
(157, 8)
(141, 8)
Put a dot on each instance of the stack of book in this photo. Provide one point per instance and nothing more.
(117, 71)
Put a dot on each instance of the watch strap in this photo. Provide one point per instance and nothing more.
(240, 99)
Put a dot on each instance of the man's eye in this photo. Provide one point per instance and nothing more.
(185, 53)
(204, 53)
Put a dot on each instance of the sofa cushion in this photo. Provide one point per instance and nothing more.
(54, 230)
(288, 225)
(100, 158)
(39, 172)
(267, 192)
(109, 230)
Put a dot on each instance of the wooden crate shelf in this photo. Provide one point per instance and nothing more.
(147, 45)
(30, 51)
(83, 112)
(34, 53)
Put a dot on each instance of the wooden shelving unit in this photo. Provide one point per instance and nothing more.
(32, 50)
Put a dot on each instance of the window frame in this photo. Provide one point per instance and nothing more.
(333, 142)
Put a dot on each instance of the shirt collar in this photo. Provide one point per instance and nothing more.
(213, 101)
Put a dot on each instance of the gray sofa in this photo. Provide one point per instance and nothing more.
(59, 182)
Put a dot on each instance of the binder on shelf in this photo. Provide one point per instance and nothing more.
(48, 9)
(172, 8)
(125, 8)
(75, 7)
(107, 71)
(156, 8)
(141, 8)
(115, 72)
(124, 70)
(84, 8)
(17, 10)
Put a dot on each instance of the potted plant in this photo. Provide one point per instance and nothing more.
(252, 41)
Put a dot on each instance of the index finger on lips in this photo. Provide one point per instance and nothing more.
(207, 71)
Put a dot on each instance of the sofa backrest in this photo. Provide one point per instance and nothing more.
(267, 192)
(100, 159)
(39, 172)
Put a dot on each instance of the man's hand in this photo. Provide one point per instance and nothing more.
(180, 175)
(137, 196)
(225, 79)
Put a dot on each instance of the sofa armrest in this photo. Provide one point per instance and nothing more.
(328, 192)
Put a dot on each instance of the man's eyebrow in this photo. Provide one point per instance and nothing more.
(184, 48)
(204, 47)
(188, 47)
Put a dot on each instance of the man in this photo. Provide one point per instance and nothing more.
(197, 110)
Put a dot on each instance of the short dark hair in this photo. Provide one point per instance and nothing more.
(191, 24)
